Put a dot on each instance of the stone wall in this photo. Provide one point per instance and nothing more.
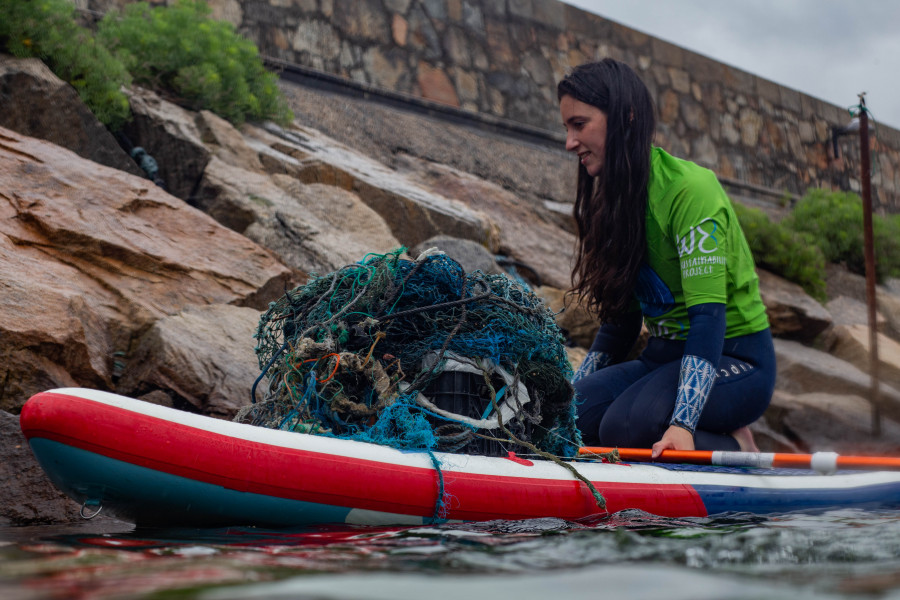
(503, 58)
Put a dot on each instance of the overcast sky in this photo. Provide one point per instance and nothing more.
(829, 49)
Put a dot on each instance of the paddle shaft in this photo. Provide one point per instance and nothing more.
(824, 462)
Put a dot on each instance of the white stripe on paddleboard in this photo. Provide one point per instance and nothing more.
(599, 473)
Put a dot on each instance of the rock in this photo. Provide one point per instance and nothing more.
(792, 312)
(312, 228)
(803, 370)
(576, 356)
(37, 103)
(848, 311)
(578, 324)
(50, 332)
(842, 423)
(91, 256)
(202, 356)
(472, 256)
(769, 440)
(527, 234)
(170, 135)
(841, 282)
(892, 286)
(533, 173)
(227, 143)
(888, 303)
(30, 498)
(413, 213)
(436, 86)
(159, 397)
(851, 343)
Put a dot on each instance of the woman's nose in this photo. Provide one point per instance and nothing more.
(571, 142)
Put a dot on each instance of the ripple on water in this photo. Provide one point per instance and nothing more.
(839, 554)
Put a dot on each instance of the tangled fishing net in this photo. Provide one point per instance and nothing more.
(416, 355)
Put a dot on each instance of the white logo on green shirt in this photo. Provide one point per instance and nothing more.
(686, 247)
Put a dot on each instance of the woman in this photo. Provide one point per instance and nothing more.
(659, 244)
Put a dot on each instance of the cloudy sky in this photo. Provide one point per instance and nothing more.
(830, 49)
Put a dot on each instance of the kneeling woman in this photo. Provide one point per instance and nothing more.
(659, 244)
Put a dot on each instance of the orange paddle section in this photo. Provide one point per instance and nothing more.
(784, 460)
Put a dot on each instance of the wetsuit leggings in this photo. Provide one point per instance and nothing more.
(630, 404)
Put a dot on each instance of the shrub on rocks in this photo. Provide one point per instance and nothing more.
(173, 49)
(204, 62)
(47, 29)
(835, 220)
(783, 251)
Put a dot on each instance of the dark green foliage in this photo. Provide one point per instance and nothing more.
(784, 251)
(823, 226)
(834, 220)
(204, 62)
(176, 50)
(46, 29)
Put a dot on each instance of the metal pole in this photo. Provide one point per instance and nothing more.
(869, 247)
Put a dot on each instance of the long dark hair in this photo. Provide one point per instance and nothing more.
(610, 208)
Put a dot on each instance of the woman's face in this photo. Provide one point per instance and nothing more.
(585, 132)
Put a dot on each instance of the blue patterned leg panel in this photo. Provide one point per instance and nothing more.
(594, 361)
(696, 380)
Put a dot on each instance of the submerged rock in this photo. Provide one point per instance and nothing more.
(29, 497)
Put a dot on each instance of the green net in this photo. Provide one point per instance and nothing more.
(384, 351)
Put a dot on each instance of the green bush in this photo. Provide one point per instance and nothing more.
(834, 220)
(204, 62)
(175, 50)
(47, 29)
(783, 251)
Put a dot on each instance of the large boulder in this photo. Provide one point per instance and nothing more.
(37, 103)
(412, 212)
(90, 257)
(820, 421)
(470, 255)
(792, 312)
(842, 283)
(528, 235)
(538, 174)
(888, 302)
(171, 136)
(202, 358)
(849, 311)
(852, 343)
(186, 146)
(805, 370)
(310, 227)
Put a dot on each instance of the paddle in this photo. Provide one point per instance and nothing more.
(823, 462)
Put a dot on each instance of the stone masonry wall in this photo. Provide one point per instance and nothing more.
(503, 58)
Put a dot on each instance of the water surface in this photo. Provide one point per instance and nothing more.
(839, 554)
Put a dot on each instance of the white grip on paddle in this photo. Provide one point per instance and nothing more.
(759, 460)
(824, 462)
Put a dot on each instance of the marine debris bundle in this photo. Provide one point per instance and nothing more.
(416, 354)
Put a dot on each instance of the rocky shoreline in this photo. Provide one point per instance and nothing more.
(110, 281)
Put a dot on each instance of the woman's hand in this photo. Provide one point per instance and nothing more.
(675, 438)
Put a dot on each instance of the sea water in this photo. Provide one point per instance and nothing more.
(627, 555)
